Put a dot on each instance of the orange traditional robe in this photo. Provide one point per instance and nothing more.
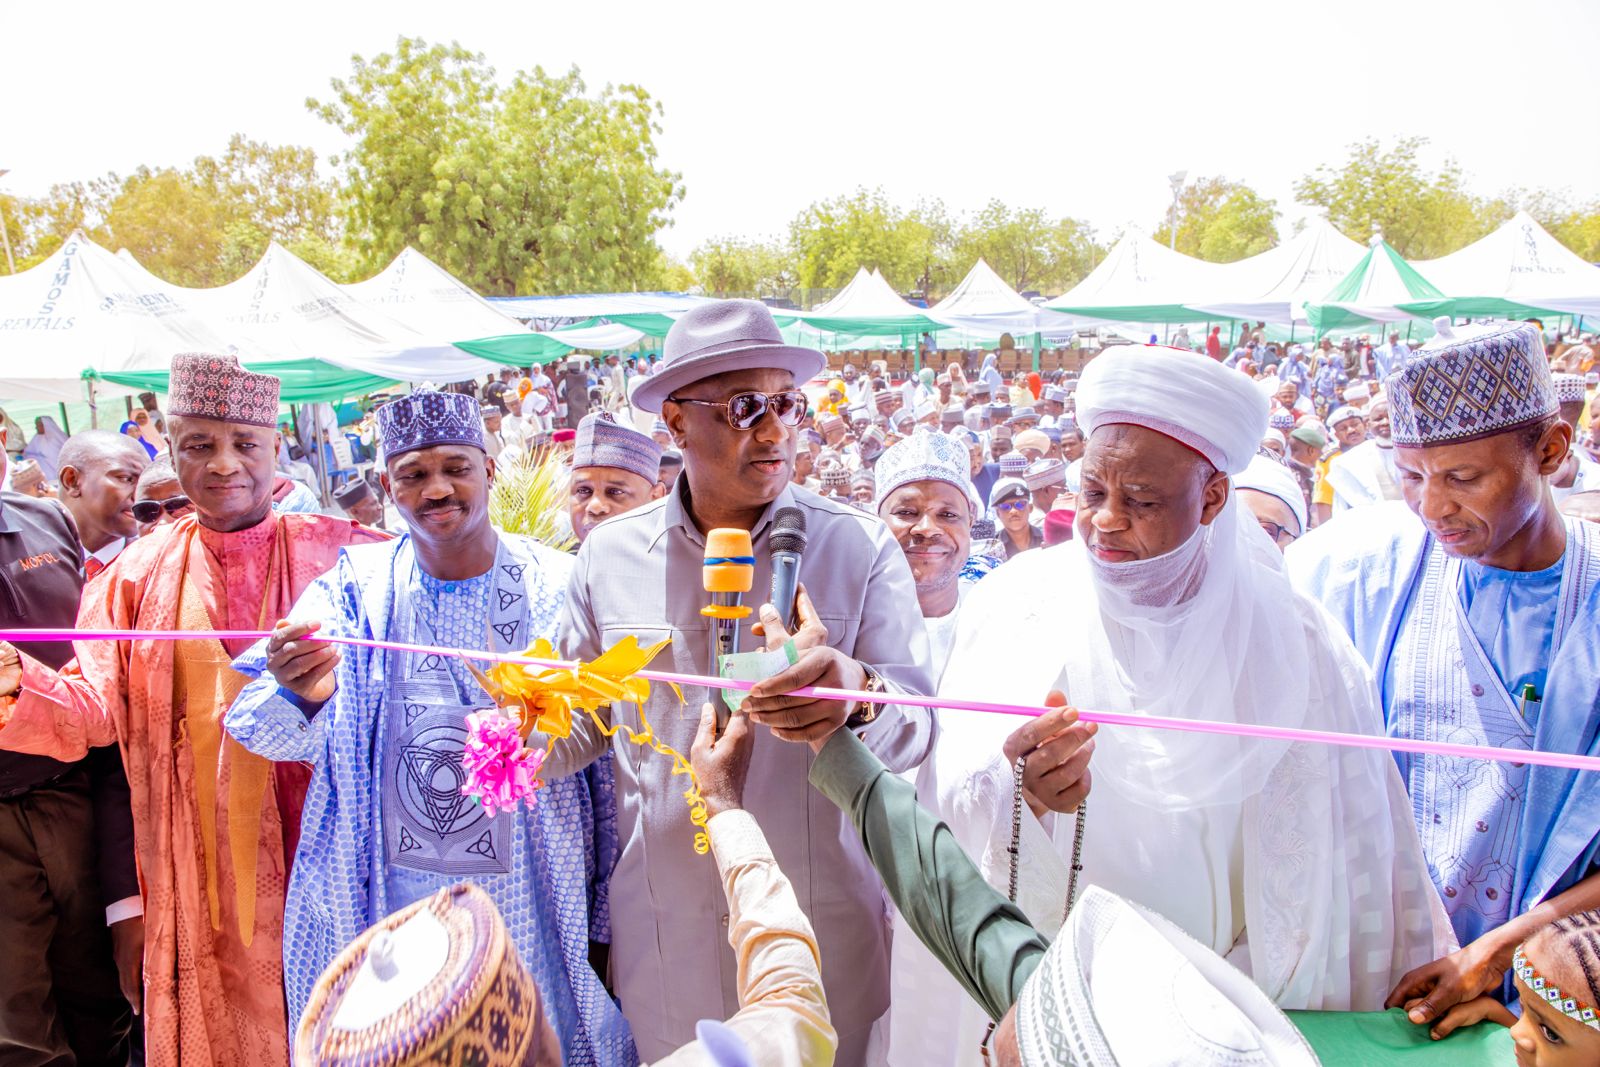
(215, 827)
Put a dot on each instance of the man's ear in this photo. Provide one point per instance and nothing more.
(1553, 448)
(70, 480)
(1214, 496)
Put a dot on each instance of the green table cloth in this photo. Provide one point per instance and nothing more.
(1377, 1038)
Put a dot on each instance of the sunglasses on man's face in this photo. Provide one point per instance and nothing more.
(745, 410)
(148, 511)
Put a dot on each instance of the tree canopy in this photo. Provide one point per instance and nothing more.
(531, 187)
(1221, 221)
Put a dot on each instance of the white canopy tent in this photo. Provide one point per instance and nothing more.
(985, 305)
(82, 311)
(418, 293)
(1274, 286)
(284, 309)
(1142, 281)
(1517, 270)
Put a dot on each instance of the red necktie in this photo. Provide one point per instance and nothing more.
(92, 567)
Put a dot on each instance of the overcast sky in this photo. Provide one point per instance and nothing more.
(1082, 109)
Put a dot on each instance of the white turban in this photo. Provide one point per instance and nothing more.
(1191, 398)
(1271, 477)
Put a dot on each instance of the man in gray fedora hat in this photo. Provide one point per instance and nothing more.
(727, 389)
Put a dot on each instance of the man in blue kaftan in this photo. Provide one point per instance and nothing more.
(386, 823)
(1482, 625)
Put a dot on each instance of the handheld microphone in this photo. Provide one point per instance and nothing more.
(728, 574)
(787, 544)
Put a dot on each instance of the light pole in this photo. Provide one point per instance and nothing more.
(5, 234)
(1177, 190)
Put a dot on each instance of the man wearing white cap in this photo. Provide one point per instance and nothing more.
(1480, 622)
(1578, 472)
(1298, 863)
(1349, 430)
(1357, 395)
(1271, 492)
(1366, 474)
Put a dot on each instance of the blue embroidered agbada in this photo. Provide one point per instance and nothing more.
(1452, 644)
(385, 823)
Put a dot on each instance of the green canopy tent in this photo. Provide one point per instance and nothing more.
(1376, 291)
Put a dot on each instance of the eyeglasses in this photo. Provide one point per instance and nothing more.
(148, 511)
(1014, 505)
(745, 410)
(1277, 532)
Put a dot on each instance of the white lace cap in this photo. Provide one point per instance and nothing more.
(1123, 985)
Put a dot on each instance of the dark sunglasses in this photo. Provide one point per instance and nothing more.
(746, 410)
(148, 511)
(1014, 505)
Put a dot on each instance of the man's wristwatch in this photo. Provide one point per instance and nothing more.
(865, 712)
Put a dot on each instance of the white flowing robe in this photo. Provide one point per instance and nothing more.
(1315, 886)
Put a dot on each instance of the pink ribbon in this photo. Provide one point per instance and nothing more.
(1566, 760)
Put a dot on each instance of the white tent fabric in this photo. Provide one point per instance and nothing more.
(984, 304)
(285, 309)
(868, 296)
(1274, 286)
(420, 294)
(546, 311)
(82, 310)
(604, 337)
(1141, 279)
(1520, 263)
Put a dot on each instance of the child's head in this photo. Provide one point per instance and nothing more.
(1557, 971)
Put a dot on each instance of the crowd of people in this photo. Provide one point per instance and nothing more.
(235, 849)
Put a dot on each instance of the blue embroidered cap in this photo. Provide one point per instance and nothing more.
(427, 418)
(1470, 383)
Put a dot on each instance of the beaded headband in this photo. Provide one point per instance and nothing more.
(1570, 1006)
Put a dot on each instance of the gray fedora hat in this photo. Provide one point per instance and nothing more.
(722, 336)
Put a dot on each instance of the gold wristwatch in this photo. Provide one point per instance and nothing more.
(865, 712)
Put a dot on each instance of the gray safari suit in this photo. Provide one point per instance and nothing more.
(639, 574)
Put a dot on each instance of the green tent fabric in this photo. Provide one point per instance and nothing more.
(517, 349)
(1476, 307)
(1374, 292)
(1380, 1038)
(304, 380)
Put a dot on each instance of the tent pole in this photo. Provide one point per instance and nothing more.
(1038, 343)
(94, 409)
(66, 423)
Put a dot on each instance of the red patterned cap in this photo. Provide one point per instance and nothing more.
(217, 387)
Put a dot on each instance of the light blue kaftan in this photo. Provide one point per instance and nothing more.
(1452, 643)
(384, 822)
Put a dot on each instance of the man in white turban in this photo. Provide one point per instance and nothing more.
(1297, 863)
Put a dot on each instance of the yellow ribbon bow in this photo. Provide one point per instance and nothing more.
(544, 698)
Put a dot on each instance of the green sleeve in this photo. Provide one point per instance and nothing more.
(980, 937)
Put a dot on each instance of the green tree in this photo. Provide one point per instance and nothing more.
(832, 238)
(1026, 247)
(1423, 215)
(1221, 221)
(725, 265)
(535, 187)
(173, 224)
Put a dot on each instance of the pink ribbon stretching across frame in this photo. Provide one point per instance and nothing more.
(1566, 760)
